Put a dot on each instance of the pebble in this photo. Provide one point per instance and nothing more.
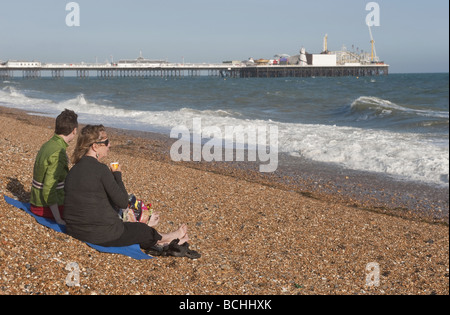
(254, 238)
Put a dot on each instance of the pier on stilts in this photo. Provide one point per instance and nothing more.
(193, 70)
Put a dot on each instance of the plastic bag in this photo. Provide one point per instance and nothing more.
(137, 211)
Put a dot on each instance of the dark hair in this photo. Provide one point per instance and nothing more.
(66, 122)
(87, 137)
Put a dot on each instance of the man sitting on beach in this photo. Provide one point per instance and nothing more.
(51, 168)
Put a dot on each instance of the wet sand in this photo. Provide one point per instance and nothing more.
(308, 229)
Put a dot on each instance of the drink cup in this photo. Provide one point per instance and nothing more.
(115, 166)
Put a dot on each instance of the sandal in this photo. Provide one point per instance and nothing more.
(176, 250)
(192, 254)
(158, 251)
(173, 249)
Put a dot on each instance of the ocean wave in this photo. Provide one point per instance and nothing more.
(410, 156)
(10, 96)
(400, 155)
(369, 105)
(11, 92)
(218, 112)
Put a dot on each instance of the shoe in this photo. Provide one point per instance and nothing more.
(173, 249)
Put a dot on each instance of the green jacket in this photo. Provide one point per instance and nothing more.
(50, 171)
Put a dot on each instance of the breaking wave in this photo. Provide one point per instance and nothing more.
(366, 105)
(404, 155)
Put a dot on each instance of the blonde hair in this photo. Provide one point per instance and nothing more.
(87, 137)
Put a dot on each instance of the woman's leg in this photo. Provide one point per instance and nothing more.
(147, 237)
(180, 234)
(135, 233)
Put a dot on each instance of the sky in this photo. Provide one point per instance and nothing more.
(413, 35)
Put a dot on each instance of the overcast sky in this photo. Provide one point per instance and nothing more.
(413, 35)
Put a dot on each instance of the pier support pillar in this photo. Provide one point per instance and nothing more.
(57, 74)
(31, 74)
(6, 74)
(83, 74)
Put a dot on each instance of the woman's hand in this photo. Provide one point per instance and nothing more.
(115, 167)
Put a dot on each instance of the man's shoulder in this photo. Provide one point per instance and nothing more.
(52, 150)
(53, 145)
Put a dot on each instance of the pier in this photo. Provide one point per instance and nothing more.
(110, 71)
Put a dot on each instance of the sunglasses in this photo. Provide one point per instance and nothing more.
(106, 142)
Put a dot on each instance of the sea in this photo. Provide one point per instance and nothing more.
(395, 126)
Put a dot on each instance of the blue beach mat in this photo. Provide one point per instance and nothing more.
(133, 251)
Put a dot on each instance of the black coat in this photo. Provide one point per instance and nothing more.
(92, 191)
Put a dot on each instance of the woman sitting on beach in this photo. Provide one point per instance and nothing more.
(92, 190)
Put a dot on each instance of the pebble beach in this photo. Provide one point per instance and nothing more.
(256, 237)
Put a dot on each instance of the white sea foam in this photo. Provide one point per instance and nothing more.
(406, 155)
(403, 155)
